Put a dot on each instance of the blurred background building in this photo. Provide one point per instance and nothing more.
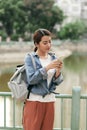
(73, 9)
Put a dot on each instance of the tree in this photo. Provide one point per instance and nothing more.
(12, 15)
(72, 30)
(20, 19)
(43, 14)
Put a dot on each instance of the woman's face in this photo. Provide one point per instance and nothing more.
(45, 44)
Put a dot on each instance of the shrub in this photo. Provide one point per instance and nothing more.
(72, 30)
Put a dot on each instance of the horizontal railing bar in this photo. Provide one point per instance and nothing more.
(5, 93)
(83, 96)
(11, 128)
(57, 95)
(61, 129)
(63, 96)
(19, 128)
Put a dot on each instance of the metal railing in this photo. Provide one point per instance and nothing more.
(75, 111)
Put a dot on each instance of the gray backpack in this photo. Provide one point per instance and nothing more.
(18, 82)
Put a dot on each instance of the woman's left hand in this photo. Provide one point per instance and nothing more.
(58, 69)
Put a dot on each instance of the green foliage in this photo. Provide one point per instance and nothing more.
(3, 34)
(43, 14)
(10, 12)
(72, 30)
(18, 18)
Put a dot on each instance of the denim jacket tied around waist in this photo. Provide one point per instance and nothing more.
(38, 78)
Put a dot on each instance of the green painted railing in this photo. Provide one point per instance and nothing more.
(75, 98)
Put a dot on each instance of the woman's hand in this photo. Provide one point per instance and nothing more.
(55, 64)
(58, 69)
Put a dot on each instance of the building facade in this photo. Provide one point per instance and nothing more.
(73, 9)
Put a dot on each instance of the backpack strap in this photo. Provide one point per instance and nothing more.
(34, 64)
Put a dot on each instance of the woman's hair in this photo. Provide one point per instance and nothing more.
(38, 35)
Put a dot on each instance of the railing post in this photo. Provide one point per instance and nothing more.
(75, 109)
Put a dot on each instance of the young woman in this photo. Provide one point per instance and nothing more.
(39, 108)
